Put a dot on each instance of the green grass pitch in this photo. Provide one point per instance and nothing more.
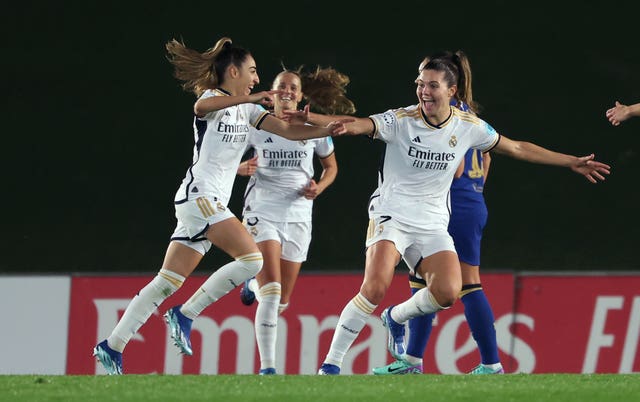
(408, 388)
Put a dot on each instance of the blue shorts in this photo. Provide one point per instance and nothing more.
(466, 224)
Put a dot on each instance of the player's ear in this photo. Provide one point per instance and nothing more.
(452, 90)
(233, 71)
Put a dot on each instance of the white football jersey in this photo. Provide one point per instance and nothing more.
(420, 161)
(285, 167)
(220, 140)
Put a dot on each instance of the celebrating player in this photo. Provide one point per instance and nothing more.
(222, 78)
(408, 212)
(466, 223)
(279, 198)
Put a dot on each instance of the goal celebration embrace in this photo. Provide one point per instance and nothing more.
(434, 150)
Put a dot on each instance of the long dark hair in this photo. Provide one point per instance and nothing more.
(457, 71)
(201, 71)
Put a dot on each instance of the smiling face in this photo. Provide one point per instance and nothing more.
(291, 86)
(245, 77)
(434, 94)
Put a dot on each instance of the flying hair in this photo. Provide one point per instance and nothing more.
(325, 89)
(196, 70)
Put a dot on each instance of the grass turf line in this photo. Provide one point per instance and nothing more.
(432, 388)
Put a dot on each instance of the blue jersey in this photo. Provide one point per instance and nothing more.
(469, 186)
(468, 209)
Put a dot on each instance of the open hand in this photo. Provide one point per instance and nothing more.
(617, 114)
(591, 169)
(296, 116)
(338, 127)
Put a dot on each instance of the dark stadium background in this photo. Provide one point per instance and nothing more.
(97, 133)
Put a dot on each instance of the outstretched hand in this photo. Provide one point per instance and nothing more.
(339, 127)
(296, 116)
(265, 98)
(591, 169)
(617, 114)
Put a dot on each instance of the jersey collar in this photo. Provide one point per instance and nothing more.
(436, 126)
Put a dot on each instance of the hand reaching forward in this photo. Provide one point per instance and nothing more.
(592, 170)
(296, 116)
(311, 190)
(617, 114)
(264, 98)
(339, 127)
(248, 167)
(620, 113)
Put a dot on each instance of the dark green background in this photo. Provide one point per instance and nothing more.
(98, 133)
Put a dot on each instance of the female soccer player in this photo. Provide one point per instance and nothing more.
(408, 212)
(222, 78)
(279, 198)
(466, 223)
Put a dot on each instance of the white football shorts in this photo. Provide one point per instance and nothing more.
(194, 218)
(412, 243)
(295, 237)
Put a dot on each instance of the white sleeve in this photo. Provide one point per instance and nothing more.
(324, 147)
(386, 126)
(208, 94)
(485, 137)
(256, 114)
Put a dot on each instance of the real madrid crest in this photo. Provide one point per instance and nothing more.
(453, 141)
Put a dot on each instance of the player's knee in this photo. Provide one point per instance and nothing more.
(446, 302)
(252, 263)
(374, 293)
(445, 290)
(445, 294)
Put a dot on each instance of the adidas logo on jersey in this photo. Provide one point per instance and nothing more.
(268, 140)
(226, 113)
(417, 139)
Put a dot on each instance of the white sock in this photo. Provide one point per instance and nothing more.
(352, 319)
(221, 282)
(142, 306)
(421, 303)
(282, 307)
(266, 323)
(413, 360)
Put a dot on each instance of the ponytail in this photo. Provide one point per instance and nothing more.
(457, 72)
(201, 71)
